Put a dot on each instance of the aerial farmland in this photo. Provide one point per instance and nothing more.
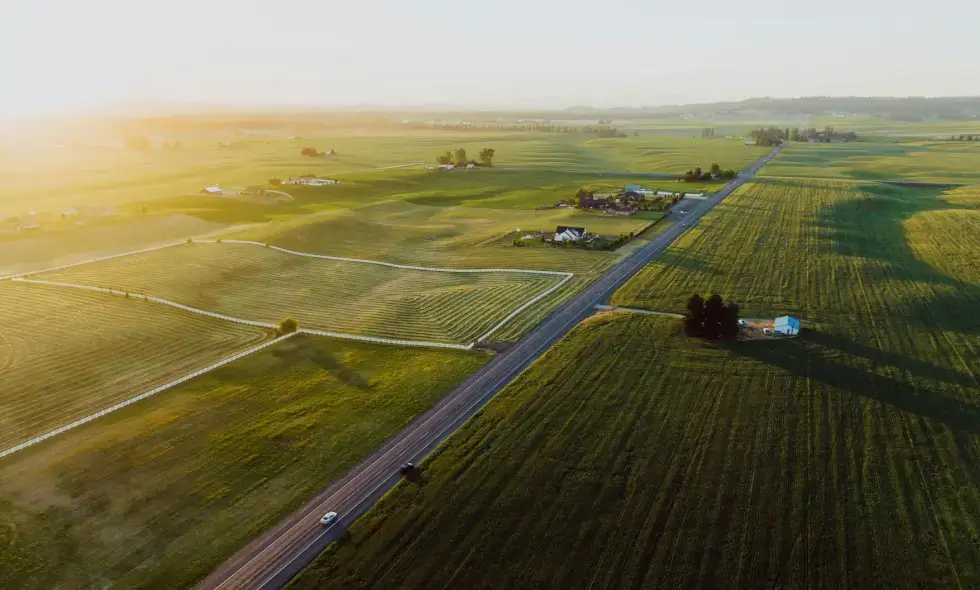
(185, 417)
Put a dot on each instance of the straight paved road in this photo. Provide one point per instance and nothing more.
(277, 556)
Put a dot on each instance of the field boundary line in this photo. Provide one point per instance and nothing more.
(149, 298)
(227, 318)
(142, 396)
(391, 264)
(526, 305)
(89, 261)
(566, 276)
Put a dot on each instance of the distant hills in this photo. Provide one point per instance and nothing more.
(912, 108)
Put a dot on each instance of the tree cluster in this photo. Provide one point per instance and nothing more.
(605, 131)
(965, 138)
(708, 132)
(458, 158)
(714, 173)
(312, 152)
(712, 318)
(770, 136)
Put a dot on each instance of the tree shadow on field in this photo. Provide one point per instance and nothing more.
(807, 357)
(880, 357)
(873, 229)
(344, 374)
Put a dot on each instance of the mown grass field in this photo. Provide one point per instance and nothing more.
(922, 161)
(67, 354)
(266, 285)
(262, 284)
(630, 455)
(157, 495)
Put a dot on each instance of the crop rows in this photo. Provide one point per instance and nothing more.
(844, 458)
(267, 285)
(65, 355)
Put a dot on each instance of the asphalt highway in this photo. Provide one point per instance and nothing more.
(274, 558)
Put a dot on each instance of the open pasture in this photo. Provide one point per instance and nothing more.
(954, 162)
(55, 176)
(263, 284)
(160, 493)
(66, 354)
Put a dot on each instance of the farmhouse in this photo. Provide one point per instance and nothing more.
(569, 234)
(312, 181)
(446, 166)
(592, 203)
(786, 325)
(212, 190)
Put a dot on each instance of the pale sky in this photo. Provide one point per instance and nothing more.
(69, 55)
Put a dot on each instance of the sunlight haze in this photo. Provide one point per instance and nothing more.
(74, 56)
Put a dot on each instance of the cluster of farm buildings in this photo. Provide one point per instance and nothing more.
(630, 200)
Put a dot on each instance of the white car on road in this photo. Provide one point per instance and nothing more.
(328, 518)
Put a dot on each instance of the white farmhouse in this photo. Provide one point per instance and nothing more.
(569, 234)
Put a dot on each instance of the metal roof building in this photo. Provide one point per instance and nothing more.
(786, 325)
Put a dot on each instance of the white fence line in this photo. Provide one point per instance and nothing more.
(89, 261)
(160, 300)
(142, 396)
(392, 264)
(566, 276)
(526, 305)
(379, 340)
(227, 318)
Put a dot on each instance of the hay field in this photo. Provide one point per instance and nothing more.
(262, 284)
(67, 354)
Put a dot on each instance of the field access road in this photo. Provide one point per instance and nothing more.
(274, 558)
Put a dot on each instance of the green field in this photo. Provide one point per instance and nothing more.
(51, 178)
(266, 285)
(630, 455)
(957, 162)
(262, 284)
(67, 354)
(160, 493)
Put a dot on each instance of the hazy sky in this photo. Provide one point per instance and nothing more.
(58, 55)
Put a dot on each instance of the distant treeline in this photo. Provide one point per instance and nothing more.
(602, 129)
(773, 135)
(965, 138)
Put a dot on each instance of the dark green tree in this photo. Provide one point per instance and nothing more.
(729, 324)
(287, 326)
(694, 319)
(460, 159)
(714, 316)
(486, 156)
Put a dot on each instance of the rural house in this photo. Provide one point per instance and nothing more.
(592, 203)
(212, 190)
(569, 234)
(312, 181)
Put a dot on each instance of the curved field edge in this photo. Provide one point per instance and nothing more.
(665, 462)
(357, 297)
(65, 355)
(159, 494)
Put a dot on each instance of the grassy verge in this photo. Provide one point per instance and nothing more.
(159, 494)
